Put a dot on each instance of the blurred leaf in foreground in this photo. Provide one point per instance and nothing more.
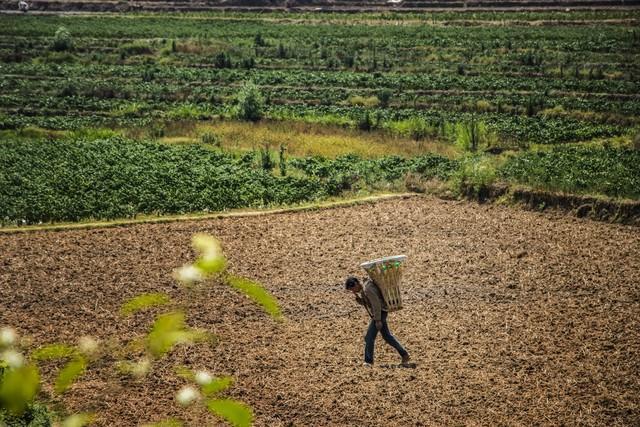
(144, 301)
(171, 422)
(168, 330)
(18, 388)
(211, 258)
(217, 385)
(69, 373)
(54, 351)
(236, 413)
(256, 293)
(77, 420)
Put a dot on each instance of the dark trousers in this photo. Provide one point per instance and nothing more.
(372, 333)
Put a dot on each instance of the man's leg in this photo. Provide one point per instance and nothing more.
(389, 338)
(369, 342)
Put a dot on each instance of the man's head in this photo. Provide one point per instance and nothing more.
(353, 284)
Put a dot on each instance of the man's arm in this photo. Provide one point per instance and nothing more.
(376, 304)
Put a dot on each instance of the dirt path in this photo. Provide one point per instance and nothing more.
(513, 317)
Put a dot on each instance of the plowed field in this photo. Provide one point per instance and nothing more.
(512, 317)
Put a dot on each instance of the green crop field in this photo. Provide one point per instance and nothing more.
(490, 88)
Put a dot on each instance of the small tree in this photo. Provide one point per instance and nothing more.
(365, 122)
(265, 158)
(62, 40)
(222, 60)
(470, 134)
(258, 40)
(385, 96)
(250, 103)
(282, 51)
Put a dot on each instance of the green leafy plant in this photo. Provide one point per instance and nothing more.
(385, 97)
(62, 40)
(266, 160)
(250, 103)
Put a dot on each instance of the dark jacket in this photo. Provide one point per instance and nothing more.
(372, 299)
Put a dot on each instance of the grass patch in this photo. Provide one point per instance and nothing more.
(308, 139)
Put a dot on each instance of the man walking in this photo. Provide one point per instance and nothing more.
(371, 298)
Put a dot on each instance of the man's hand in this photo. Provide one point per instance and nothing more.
(378, 324)
(359, 300)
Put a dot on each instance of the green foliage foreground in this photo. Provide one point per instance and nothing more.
(20, 378)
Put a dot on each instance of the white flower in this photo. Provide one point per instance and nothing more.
(203, 377)
(187, 395)
(188, 274)
(7, 336)
(208, 246)
(12, 358)
(87, 345)
(141, 368)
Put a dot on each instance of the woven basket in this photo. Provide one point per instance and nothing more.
(387, 274)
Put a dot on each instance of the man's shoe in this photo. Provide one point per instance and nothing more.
(406, 358)
(367, 365)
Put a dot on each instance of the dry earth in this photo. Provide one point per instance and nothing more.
(513, 317)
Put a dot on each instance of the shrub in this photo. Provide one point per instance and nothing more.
(266, 161)
(188, 112)
(365, 122)
(414, 128)
(69, 89)
(248, 63)
(138, 47)
(258, 40)
(211, 139)
(222, 60)
(385, 96)
(483, 106)
(470, 135)
(62, 40)
(282, 51)
(371, 101)
(250, 103)
(474, 176)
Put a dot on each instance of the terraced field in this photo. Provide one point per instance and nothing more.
(550, 83)
(352, 6)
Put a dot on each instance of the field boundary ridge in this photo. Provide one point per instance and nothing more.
(206, 216)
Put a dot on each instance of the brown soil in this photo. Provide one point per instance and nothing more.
(512, 317)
